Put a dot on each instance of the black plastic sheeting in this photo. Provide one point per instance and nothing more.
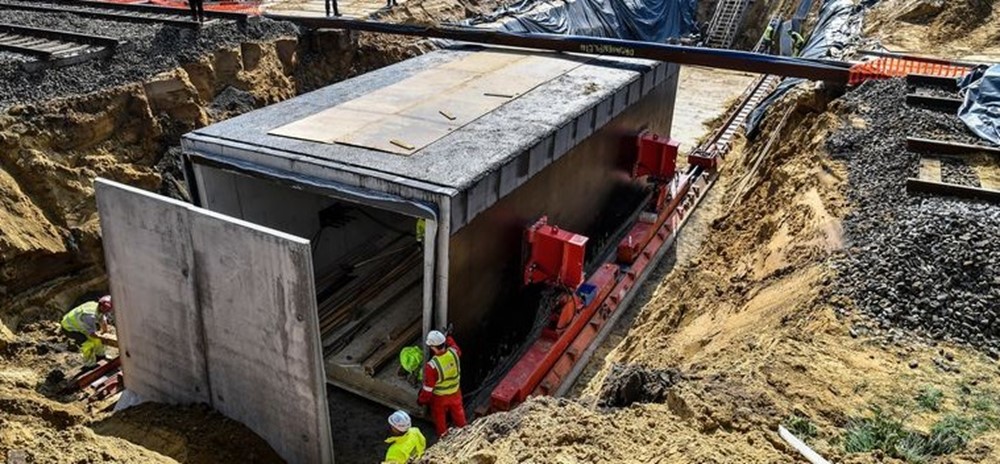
(645, 20)
(981, 109)
(838, 26)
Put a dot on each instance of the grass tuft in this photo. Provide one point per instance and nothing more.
(930, 398)
(801, 426)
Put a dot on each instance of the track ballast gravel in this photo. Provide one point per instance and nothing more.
(149, 49)
(914, 261)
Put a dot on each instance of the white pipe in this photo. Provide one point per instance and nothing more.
(443, 243)
(430, 237)
(801, 447)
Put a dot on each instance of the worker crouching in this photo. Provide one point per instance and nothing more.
(81, 324)
(406, 443)
(442, 376)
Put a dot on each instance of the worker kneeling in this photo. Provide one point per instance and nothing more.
(81, 325)
(442, 375)
(406, 442)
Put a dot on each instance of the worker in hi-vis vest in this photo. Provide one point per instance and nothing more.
(406, 442)
(81, 324)
(768, 41)
(797, 42)
(442, 375)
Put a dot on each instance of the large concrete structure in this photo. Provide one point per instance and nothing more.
(312, 195)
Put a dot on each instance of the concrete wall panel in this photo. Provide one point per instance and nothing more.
(256, 290)
(149, 257)
(211, 309)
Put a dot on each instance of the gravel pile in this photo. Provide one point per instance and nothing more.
(149, 50)
(918, 262)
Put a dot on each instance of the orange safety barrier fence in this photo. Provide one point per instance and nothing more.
(887, 68)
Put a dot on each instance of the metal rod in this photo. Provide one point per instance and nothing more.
(716, 58)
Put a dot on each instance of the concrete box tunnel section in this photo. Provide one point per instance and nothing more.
(517, 135)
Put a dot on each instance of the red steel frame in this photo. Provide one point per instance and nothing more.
(549, 360)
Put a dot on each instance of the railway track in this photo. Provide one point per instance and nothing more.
(134, 13)
(931, 177)
(53, 48)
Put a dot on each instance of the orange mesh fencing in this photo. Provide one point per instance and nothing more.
(887, 68)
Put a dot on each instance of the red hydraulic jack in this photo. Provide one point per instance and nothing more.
(555, 257)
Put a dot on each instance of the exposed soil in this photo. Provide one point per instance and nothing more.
(963, 29)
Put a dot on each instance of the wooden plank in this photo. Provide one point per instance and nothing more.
(391, 347)
(404, 117)
(930, 169)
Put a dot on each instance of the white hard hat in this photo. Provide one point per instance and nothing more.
(435, 338)
(400, 421)
(105, 301)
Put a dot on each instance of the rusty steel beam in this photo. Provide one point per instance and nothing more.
(921, 145)
(934, 103)
(955, 190)
(819, 70)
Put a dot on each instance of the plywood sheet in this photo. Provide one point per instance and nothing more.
(404, 117)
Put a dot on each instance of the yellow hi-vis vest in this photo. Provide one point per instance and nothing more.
(449, 372)
(82, 319)
(405, 448)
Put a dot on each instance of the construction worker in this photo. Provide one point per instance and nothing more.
(332, 3)
(81, 325)
(768, 38)
(442, 375)
(197, 10)
(797, 42)
(406, 443)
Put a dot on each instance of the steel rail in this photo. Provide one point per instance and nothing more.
(820, 70)
(933, 102)
(59, 35)
(922, 145)
(92, 13)
(955, 190)
(239, 17)
(54, 48)
(923, 80)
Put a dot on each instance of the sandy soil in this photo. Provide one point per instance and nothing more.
(964, 29)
